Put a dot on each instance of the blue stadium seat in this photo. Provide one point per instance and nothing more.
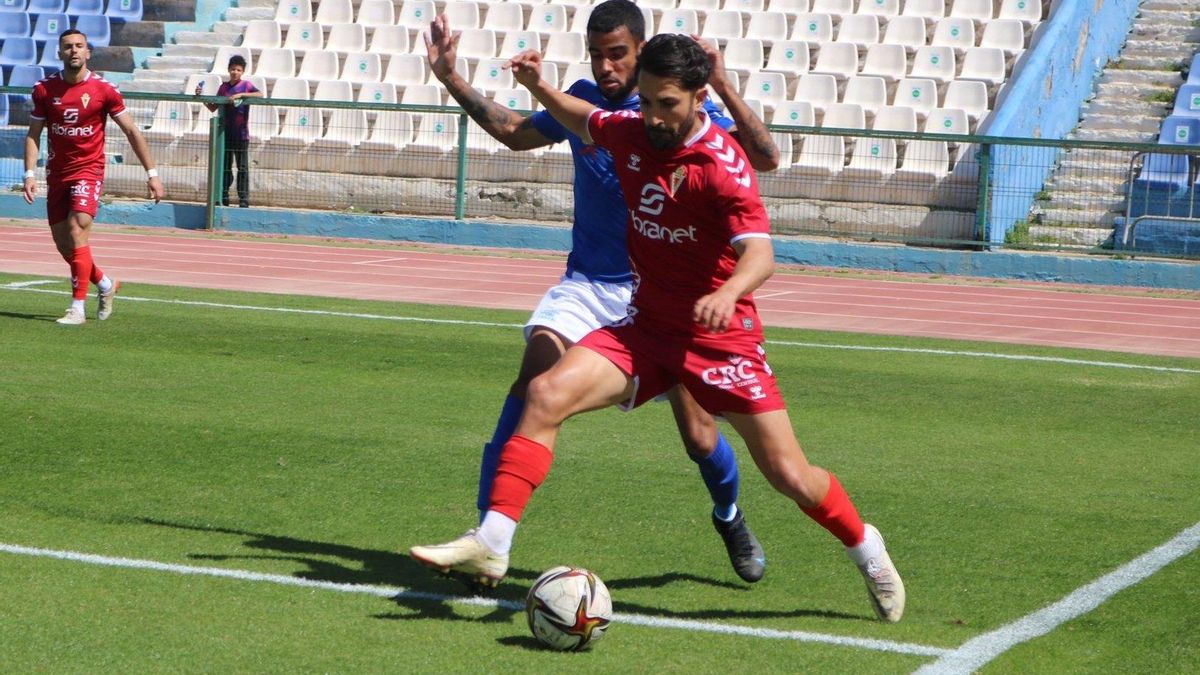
(17, 52)
(14, 24)
(13, 5)
(1194, 70)
(1180, 130)
(123, 10)
(97, 29)
(85, 7)
(1187, 101)
(1163, 172)
(50, 60)
(23, 76)
(3, 111)
(47, 6)
(48, 27)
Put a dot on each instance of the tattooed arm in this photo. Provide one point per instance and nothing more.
(748, 129)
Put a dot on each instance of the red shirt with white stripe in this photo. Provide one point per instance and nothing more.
(687, 206)
(75, 115)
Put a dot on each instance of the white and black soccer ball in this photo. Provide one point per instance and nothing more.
(568, 608)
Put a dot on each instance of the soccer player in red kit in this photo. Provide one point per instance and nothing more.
(73, 105)
(699, 244)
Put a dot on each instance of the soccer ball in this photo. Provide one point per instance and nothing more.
(568, 608)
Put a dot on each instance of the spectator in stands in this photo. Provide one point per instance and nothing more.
(237, 128)
(596, 287)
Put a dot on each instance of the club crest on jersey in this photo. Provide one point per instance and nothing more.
(677, 179)
(85, 99)
(635, 163)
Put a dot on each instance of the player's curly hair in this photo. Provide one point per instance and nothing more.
(677, 57)
(612, 14)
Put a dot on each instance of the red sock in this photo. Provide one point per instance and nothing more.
(97, 273)
(837, 514)
(81, 272)
(523, 466)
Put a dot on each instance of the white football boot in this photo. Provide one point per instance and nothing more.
(884, 585)
(106, 300)
(466, 558)
(73, 317)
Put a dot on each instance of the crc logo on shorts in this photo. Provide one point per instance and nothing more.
(738, 373)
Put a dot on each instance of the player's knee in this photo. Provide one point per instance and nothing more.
(544, 397)
(699, 440)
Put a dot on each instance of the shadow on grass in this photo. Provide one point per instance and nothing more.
(28, 317)
(428, 596)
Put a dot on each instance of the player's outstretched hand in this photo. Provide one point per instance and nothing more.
(30, 189)
(441, 47)
(156, 189)
(714, 311)
(526, 67)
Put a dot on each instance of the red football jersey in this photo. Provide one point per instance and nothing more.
(75, 116)
(687, 206)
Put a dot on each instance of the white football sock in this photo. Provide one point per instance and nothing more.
(497, 531)
(871, 547)
(105, 284)
(77, 304)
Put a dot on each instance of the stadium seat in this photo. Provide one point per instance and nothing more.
(304, 37)
(723, 24)
(883, 9)
(1161, 171)
(48, 26)
(434, 145)
(895, 118)
(405, 70)
(461, 66)
(220, 64)
(844, 116)
(984, 65)
(747, 7)
(887, 61)
(548, 19)
(970, 96)
(347, 128)
(1005, 34)
(389, 40)
(477, 44)
(574, 73)
(794, 114)
(839, 59)
(580, 17)
(13, 6)
(345, 38)
(124, 11)
(871, 161)
(334, 11)
(15, 25)
(701, 6)
(789, 7)
(22, 76)
(392, 131)
(928, 10)
(171, 119)
(516, 41)
(84, 8)
(917, 93)
(815, 29)
(821, 156)
(979, 11)
(96, 27)
(319, 65)
(767, 26)
(906, 31)
(564, 48)
(678, 21)
(1194, 70)
(374, 14)
(514, 99)
(1187, 101)
(50, 59)
(334, 90)
(293, 88)
(264, 119)
(17, 52)
(3, 111)
(1180, 130)
(789, 57)
(40, 7)
(924, 163)
(504, 16)
(859, 30)
(842, 7)
(377, 92)
(262, 34)
(744, 55)
(1028, 12)
(417, 14)
(819, 91)
(550, 72)
(770, 89)
(947, 121)
(934, 63)
(421, 94)
(275, 63)
(956, 32)
(293, 11)
(490, 76)
(210, 82)
(290, 149)
(868, 92)
(462, 14)
(362, 67)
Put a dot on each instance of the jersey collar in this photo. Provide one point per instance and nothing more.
(704, 127)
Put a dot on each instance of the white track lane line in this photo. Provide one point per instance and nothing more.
(785, 343)
(400, 593)
(979, 651)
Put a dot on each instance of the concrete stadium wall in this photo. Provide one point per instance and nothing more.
(1044, 98)
(788, 250)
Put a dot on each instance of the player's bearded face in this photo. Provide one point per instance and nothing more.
(73, 50)
(614, 61)
(669, 111)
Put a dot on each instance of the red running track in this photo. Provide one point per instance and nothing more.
(1026, 313)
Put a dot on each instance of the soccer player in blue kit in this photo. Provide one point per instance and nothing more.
(596, 288)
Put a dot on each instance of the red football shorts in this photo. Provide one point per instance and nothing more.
(81, 195)
(732, 376)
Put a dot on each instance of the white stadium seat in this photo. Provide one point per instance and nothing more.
(1005, 34)
(490, 76)
(504, 16)
(839, 59)
(928, 10)
(320, 65)
(815, 29)
(374, 14)
(362, 67)
(920, 94)
(548, 19)
(565, 48)
(289, 88)
(895, 118)
(970, 96)
(220, 65)
(262, 34)
(859, 30)
(744, 55)
(1028, 12)
(345, 38)
(955, 32)
(516, 41)
(906, 31)
(276, 63)
(418, 14)
(462, 14)
(789, 57)
(334, 11)
(819, 91)
(405, 69)
(293, 11)
(793, 113)
(770, 89)
(677, 21)
(767, 26)
(976, 10)
(723, 24)
(985, 65)
(390, 40)
(868, 92)
(934, 63)
(306, 36)
(334, 90)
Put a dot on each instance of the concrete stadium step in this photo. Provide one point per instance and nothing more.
(207, 39)
(187, 51)
(1115, 135)
(163, 86)
(1128, 122)
(193, 63)
(1172, 51)
(1071, 236)
(249, 13)
(229, 28)
(1141, 78)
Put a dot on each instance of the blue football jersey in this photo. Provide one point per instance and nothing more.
(598, 235)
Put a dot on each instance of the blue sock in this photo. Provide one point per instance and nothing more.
(510, 414)
(720, 473)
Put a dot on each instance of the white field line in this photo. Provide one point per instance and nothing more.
(23, 286)
(978, 651)
(400, 593)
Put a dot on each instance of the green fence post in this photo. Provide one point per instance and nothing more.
(460, 179)
(216, 165)
(985, 184)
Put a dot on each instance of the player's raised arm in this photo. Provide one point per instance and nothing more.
(142, 150)
(570, 112)
(748, 129)
(756, 264)
(33, 142)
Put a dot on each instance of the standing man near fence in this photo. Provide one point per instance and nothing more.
(237, 128)
(596, 288)
(73, 105)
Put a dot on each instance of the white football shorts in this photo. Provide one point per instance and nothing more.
(577, 306)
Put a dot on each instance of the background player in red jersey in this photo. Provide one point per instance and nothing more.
(699, 243)
(73, 105)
